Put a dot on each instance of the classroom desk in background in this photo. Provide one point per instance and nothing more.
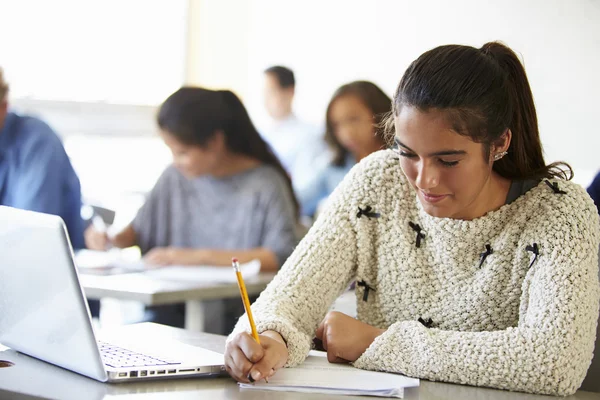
(153, 291)
(30, 377)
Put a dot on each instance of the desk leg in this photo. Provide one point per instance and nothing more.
(194, 315)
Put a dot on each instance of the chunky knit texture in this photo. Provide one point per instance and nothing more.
(509, 319)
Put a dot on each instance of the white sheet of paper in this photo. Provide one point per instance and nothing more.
(90, 260)
(204, 273)
(317, 375)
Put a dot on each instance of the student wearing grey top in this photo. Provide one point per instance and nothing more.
(225, 195)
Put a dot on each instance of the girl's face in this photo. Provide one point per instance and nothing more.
(192, 161)
(353, 126)
(448, 170)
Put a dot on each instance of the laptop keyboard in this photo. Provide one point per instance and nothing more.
(118, 357)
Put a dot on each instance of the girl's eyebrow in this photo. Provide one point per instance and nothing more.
(437, 153)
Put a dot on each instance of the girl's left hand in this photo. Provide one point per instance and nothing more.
(162, 256)
(345, 338)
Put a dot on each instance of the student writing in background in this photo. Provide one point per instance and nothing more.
(475, 261)
(225, 195)
(353, 122)
(35, 171)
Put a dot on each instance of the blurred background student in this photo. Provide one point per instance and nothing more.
(353, 131)
(298, 144)
(226, 195)
(35, 171)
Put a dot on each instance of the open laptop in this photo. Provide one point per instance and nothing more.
(44, 313)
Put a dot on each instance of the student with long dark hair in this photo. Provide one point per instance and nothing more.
(476, 262)
(226, 194)
(354, 130)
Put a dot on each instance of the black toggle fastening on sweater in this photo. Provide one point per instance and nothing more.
(427, 323)
(367, 289)
(367, 212)
(535, 250)
(554, 187)
(420, 234)
(487, 252)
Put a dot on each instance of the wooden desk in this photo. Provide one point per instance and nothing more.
(30, 377)
(153, 291)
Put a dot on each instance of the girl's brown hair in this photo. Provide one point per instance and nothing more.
(3, 86)
(373, 98)
(194, 115)
(484, 92)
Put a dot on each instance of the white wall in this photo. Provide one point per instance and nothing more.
(331, 42)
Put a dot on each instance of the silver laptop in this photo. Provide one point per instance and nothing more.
(44, 313)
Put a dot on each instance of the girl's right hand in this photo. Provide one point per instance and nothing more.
(247, 361)
(95, 239)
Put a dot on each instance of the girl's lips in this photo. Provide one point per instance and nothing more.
(433, 198)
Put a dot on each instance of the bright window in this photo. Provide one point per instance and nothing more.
(129, 52)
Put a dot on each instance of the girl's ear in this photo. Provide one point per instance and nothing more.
(501, 145)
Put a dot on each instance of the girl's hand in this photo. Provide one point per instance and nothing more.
(345, 338)
(95, 239)
(247, 361)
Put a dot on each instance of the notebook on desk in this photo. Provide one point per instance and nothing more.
(317, 375)
(44, 313)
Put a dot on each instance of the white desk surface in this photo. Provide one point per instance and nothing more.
(30, 378)
(154, 291)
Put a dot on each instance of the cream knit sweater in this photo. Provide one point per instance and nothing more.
(508, 300)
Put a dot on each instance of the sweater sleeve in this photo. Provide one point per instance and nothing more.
(550, 349)
(320, 268)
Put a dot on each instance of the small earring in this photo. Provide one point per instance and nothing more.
(500, 155)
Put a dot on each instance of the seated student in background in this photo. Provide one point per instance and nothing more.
(298, 145)
(353, 123)
(35, 171)
(226, 194)
(594, 191)
(475, 261)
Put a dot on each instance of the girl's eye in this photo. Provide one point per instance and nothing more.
(448, 163)
(405, 154)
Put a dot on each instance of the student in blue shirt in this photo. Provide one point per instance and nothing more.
(298, 144)
(353, 123)
(594, 191)
(35, 171)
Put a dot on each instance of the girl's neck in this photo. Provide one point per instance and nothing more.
(491, 198)
(233, 164)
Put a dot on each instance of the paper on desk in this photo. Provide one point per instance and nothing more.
(204, 273)
(92, 260)
(317, 375)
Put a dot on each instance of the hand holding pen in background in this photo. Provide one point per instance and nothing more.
(96, 236)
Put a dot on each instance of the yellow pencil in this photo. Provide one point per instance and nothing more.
(236, 267)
